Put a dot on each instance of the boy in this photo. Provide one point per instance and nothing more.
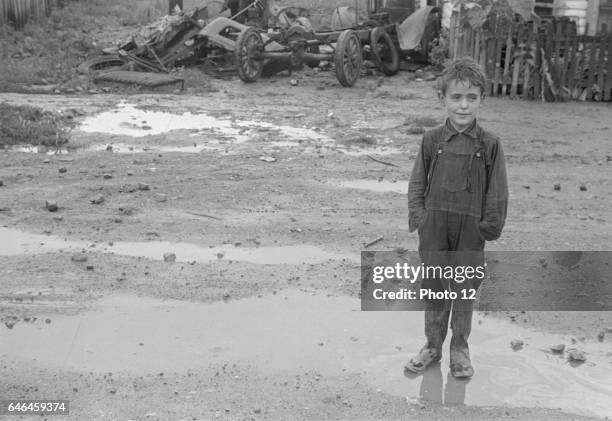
(457, 199)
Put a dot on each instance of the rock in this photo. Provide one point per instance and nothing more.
(294, 82)
(51, 206)
(48, 321)
(267, 159)
(601, 336)
(63, 170)
(89, 267)
(576, 355)
(516, 344)
(47, 161)
(107, 176)
(583, 187)
(557, 187)
(143, 187)
(79, 257)
(130, 173)
(99, 199)
(169, 257)
(557, 349)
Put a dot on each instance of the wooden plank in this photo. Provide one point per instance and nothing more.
(566, 54)
(528, 55)
(603, 47)
(490, 66)
(509, 50)
(539, 38)
(477, 35)
(592, 67)
(608, 91)
(519, 57)
(499, 43)
(573, 64)
(556, 61)
(482, 37)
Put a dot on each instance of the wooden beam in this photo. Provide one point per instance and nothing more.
(592, 17)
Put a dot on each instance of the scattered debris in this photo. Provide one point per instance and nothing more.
(371, 243)
(99, 199)
(382, 162)
(203, 215)
(79, 257)
(51, 206)
(576, 355)
(557, 349)
(516, 344)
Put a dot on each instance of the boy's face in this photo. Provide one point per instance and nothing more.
(462, 102)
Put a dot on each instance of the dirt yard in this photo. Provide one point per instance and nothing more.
(265, 195)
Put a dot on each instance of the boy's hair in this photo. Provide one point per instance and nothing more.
(464, 69)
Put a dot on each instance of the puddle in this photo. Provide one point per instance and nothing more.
(297, 332)
(128, 120)
(17, 243)
(384, 186)
(39, 149)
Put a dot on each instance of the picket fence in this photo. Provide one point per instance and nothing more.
(18, 12)
(548, 60)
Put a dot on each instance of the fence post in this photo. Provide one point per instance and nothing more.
(608, 84)
(509, 50)
(595, 42)
(603, 46)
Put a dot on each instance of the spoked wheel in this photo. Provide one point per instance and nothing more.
(347, 58)
(384, 52)
(249, 47)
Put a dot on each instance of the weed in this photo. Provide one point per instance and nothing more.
(33, 126)
(425, 121)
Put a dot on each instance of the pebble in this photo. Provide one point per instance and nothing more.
(601, 336)
(107, 176)
(63, 170)
(97, 200)
(80, 257)
(89, 267)
(583, 187)
(47, 161)
(169, 257)
(576, 355)
(557, 349)
(557, 187)
(51, 206)
(516, 344)
(143, 186)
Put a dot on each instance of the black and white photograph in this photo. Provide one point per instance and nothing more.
(305, 210)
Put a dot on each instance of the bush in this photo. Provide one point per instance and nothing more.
(33, 126)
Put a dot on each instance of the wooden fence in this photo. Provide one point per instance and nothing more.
(549, 61)
(18, 12)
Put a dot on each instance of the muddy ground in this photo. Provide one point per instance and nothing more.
(227, 197)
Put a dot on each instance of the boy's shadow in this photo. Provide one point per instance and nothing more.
(432, 387)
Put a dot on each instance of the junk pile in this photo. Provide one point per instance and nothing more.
(151, 56)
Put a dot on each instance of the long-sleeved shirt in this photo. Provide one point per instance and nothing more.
(463, 173)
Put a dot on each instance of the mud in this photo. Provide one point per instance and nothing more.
(257, 317)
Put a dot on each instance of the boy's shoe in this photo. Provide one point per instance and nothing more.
(460, 364)
(423, 359)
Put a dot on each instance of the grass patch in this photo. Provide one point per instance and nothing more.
(425, 121)
(33, 126)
